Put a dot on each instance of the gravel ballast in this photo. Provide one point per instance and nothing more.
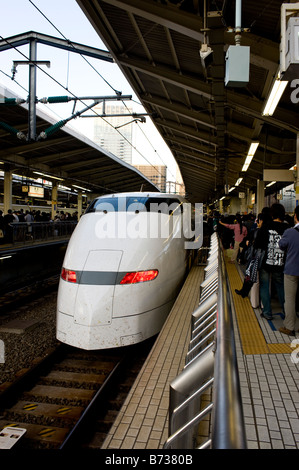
(26, 335)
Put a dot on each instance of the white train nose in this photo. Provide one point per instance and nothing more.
(94, 300)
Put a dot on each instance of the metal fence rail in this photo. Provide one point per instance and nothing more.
(211, 363)
(28, 232)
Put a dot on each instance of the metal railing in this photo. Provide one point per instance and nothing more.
(28, 232)
(211, 365)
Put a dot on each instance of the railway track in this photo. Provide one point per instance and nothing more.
(72, 397)
(13, 299)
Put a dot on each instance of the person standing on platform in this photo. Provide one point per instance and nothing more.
(240, 232)
(290, 244)
(267, 239)
(251, 274)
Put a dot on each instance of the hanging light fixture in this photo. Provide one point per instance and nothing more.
(252, 149)
(274, 97)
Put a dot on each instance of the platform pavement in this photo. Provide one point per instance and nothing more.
(268, 369)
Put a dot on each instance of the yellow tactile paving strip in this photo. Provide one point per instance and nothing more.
(251, 335)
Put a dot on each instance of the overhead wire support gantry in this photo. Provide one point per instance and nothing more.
(64, 99)
(32, 38)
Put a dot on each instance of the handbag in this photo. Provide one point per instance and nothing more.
(260, 254)
(255, 265)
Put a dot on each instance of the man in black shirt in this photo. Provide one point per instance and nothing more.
(273, 263)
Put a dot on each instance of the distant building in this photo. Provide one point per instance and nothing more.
(106, 136)
(177, 186)
(157, 174)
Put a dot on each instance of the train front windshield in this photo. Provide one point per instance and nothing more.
(134, 204)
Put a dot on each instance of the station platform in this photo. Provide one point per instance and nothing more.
(268, 363)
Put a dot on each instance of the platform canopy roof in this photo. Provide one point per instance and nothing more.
(207, 125)
(66, 155)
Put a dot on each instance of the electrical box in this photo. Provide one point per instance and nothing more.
(292, 50)
(237, 66)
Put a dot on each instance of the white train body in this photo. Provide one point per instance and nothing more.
(121, 272)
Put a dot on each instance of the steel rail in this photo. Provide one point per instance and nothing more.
(88, 414)
(25, 381)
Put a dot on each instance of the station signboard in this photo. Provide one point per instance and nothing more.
(36, 191)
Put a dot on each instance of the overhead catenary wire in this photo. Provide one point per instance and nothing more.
(71, 44)
(151, 144)
(8, 76)
(106, 81)
(76, 98)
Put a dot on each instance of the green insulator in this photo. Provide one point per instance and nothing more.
(54, 128)
(58, 99)
(10, 101)
(8, 128)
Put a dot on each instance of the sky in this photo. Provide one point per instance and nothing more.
(70, 74)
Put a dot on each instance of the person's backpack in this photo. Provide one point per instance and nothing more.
(275, 256)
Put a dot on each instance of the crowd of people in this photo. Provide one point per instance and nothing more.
(35, 216)
(268, 245)
(29, 216)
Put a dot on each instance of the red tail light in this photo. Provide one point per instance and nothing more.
(139, 276)
(69, 276)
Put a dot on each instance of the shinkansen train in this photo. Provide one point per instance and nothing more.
(122, 270)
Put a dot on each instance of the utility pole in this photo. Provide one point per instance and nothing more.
(32, 91)
(32, 38)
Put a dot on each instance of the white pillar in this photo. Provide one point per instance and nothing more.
(79, 204)
(243, 205)
(260, 192)
(249, 198)
(221, 207)
(7, 203)
(54, 200)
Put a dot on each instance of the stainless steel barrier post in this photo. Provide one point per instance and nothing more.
(211, 359)
(228, 429)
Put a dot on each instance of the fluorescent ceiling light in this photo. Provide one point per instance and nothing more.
(231, 189)
(245, 166)
(221, 199)
(270, 184)
(48, 176)
(238, 181)
(252, 149)
(80, 187)
(274, 97)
